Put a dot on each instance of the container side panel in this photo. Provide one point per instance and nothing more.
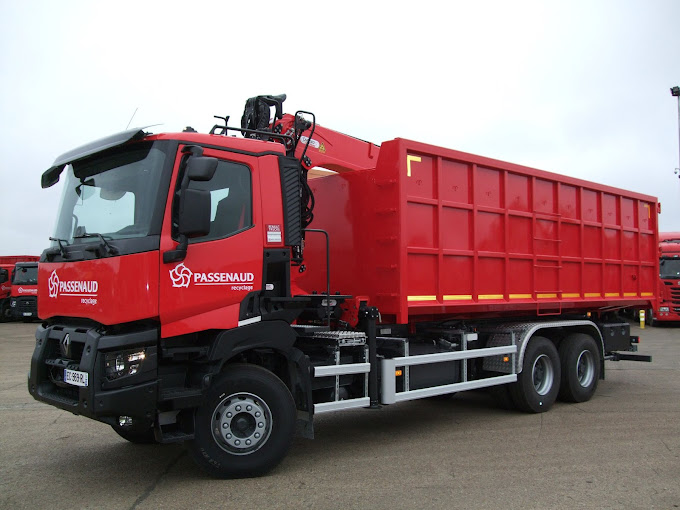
(571, 280)
(571, 240)
(592, 242)
(520, 235)
(591, 206)
(569, 202)
(488, 188)
(520, 284)
(631, 246)
(490, 232)
(423, 183)
(457, 277)
(456, 228)
(628, 213)
(491, 278)
(544, 196)
(612, 244)
(421, 228)
(518, 195)
(455, 183)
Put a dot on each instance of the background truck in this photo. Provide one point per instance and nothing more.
(23, 300)
(201, 288)
(7, 263)
(668, 304)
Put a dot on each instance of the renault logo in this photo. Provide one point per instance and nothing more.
(65, 346)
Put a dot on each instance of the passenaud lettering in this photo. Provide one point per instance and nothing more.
(82, 287)
(224, 277)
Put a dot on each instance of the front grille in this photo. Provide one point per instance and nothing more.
(675, 295)
(26, 304)
(54, 351)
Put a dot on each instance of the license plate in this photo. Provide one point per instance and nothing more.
(75, 378)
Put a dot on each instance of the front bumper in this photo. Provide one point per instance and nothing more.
(60, 347)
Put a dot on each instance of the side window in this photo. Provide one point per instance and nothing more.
(231, 202)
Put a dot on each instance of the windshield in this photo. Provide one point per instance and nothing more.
(669, 268)
(115, 195)
(25, 275)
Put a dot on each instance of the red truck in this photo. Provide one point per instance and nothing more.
(23, 300)
(7, 265)
(668, 304)
(203, 288)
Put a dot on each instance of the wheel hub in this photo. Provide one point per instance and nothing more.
(543, 374)
(585, 368)
(241, 423)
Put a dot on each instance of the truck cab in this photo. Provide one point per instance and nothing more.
(24, 293)
(668, 305)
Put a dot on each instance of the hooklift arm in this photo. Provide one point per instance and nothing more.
(322, 147)
(333, 150)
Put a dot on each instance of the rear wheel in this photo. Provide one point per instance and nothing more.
(580, 363)
(246, 426)
(650, 318)
(539, 381)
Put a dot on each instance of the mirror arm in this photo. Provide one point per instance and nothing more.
(179, 253)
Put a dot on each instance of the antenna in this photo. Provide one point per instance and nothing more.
(133, 116)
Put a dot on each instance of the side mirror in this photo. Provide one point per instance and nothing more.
(194, 215)
(201, 168)
(4, 275)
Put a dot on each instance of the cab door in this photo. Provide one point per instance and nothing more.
(205, 290)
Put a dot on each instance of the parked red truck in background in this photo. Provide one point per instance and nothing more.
(187, 298)
(7, 264)
(667, 308)
(23, 301)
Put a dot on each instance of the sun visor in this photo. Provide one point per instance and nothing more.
(51, 176)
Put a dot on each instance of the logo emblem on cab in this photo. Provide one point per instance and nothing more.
(65, 346)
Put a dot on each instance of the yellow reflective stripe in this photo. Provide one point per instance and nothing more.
(570, 295)
(409, 158)
(592, 294)
(491, 296)
(630, 294)
(422, 298)
(520, 296)
(647, 294)
(458, 297)
(612, 294)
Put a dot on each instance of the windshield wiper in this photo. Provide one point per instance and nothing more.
(61, 249)
(110, 250)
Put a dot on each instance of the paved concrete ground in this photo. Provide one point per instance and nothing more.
(620, 450)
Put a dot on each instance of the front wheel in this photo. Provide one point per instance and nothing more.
(5, 311)
(246, 426)
(539, 381)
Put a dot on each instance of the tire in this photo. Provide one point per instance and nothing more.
(650, 318)
(539, 381)
(580, 363)
(5, 311)
(246, 425)
(134, 435)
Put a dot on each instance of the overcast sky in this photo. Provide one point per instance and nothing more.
(575, 87)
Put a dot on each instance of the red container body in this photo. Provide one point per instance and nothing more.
(432, 232)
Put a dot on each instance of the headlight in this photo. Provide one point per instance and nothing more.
(664, 309)
(122, 363)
